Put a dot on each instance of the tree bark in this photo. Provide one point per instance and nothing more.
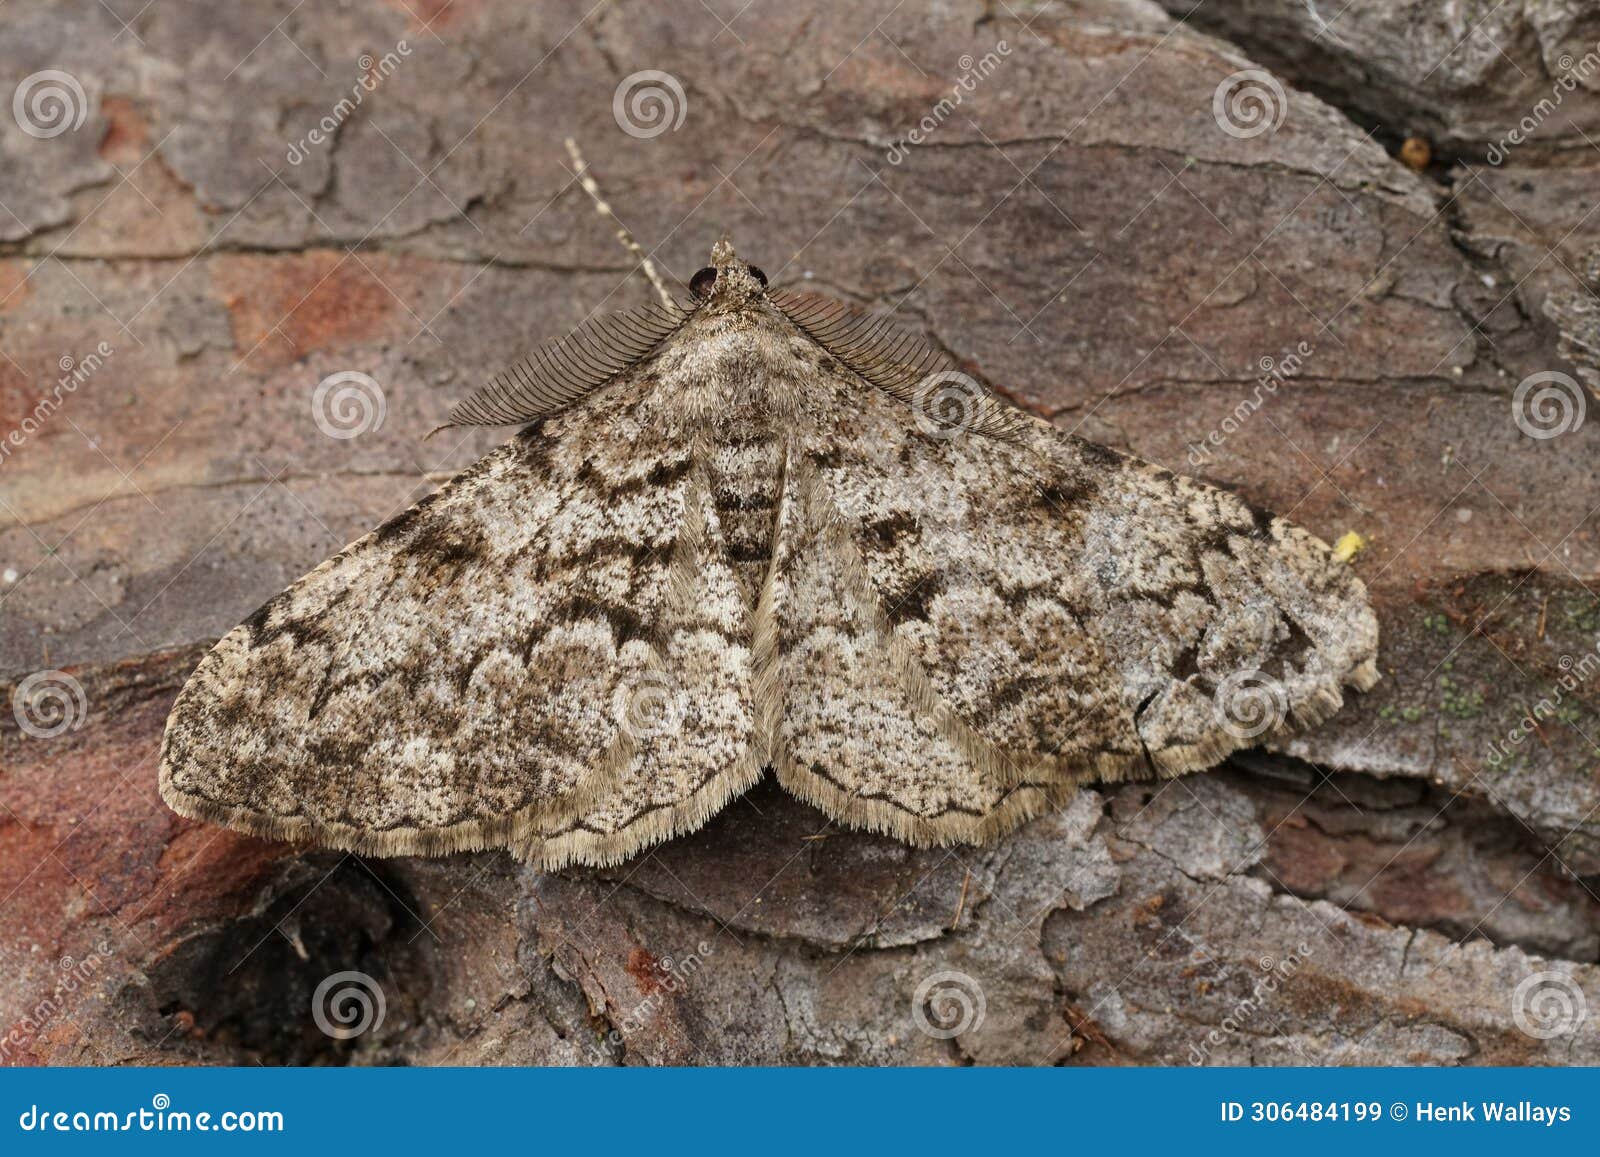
(1074, 219)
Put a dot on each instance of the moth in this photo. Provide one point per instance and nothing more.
(762, 530)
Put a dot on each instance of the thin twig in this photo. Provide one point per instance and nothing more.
(603, 207)
(961, 902)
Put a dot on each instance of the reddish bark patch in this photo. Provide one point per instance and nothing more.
(217, 867)
(286, 307)
(127, 132)
(1303, 857)
(434, 14)
(17, 398)
(645, 970)
(13, 284)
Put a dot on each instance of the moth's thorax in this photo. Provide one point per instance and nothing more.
(734, 362)
(732, 381)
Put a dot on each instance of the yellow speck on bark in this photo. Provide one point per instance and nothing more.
(1349, 546)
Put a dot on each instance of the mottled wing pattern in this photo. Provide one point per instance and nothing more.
(692, 714)
(546, 655)
(1035, 611)
(858, 728)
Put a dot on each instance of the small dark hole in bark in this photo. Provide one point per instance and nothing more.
(244, 993)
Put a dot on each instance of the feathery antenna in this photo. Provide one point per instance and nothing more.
(560, 373)
(908, 368)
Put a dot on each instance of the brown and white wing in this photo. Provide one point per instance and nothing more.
(972, 625)
(546, 655)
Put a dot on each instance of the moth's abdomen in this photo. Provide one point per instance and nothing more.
(746, 478)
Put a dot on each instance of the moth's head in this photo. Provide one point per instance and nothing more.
(727, 282)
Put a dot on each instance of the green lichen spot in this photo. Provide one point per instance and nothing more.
(1438, 624)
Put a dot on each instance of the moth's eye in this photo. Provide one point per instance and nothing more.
(700, 284)
(755, 272)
